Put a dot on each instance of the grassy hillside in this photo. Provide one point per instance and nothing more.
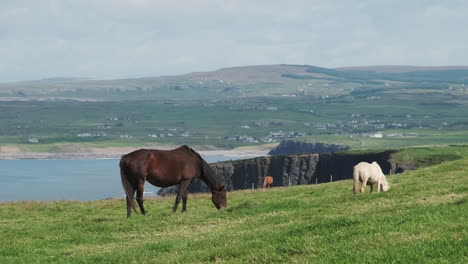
(236, 82)
(435, 118)
(241, 106)
(422, 219)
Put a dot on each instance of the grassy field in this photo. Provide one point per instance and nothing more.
(130, 123)
(422, 219)
(245, 104)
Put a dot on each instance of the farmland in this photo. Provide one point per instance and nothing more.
(238, 107)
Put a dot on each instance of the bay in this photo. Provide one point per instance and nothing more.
(82, 179)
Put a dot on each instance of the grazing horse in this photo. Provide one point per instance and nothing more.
(164, 168)
(369, 174)
(268, 182)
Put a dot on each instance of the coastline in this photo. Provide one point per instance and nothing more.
(116, 153)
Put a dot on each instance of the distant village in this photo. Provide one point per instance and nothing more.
(362, 127)
(359, 126)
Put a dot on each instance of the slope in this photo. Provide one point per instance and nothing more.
(421, 219)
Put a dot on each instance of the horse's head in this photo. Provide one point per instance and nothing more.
(385, 185)
(219, 197)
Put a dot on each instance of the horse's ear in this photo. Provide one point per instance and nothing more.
(223, 187)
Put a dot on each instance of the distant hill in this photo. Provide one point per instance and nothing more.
(253, 73)
(401, 68)
(234, 82)
(56, 80)
(241, 106)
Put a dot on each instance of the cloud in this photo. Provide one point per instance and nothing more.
(135, 38)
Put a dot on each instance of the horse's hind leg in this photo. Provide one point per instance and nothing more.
(183, 190)
(139, 198)
(129, 205)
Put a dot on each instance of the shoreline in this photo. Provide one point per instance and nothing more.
(118, 154)
(82, 151)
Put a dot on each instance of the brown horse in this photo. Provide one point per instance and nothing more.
(268, 182)
(164, 168)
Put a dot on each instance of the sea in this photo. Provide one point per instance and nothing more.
(62, 179)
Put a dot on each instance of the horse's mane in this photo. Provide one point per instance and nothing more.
(208, 173)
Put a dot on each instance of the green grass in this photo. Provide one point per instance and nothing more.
(337, 104)
(422, 219)
(428, 156)
(61, 122)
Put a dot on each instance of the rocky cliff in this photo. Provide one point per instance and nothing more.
(288, 170)
(299, 147)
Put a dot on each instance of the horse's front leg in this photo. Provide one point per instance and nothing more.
(184, 198)
(363, 186)
(183, 190)
(139, 198)
(379, 185)
(371, 187)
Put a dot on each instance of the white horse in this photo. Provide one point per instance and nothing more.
(369, 173)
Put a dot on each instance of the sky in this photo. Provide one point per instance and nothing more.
(110, 39)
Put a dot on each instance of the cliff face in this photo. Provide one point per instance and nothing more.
(249, 173)
(288, 170)
(298, 147)
(340, 165)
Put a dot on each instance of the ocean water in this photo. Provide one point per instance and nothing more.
(83, 180)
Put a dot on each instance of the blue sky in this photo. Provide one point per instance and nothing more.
(106, 39)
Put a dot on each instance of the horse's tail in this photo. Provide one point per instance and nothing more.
(125, 183)
(355, 180)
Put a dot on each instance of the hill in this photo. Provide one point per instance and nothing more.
(235, 82)
(401, 68)
(240, 106)
(422, 219)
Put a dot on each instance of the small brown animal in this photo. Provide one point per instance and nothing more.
(268, 182)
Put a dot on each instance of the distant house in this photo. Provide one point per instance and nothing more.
(85, 135)
(98, 134)
(376, 135)
(394, 135)
(33, 140)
